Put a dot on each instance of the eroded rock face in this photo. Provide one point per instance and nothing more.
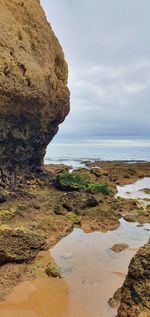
(34, 98)
(19, 244)
(135, 297)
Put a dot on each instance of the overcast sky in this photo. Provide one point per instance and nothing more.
(107, 47)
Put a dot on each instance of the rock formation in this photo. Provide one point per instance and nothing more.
(34, 98)
(19, 244)
(135, 293)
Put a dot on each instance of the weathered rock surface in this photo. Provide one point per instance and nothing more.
(34, 98)
(77, 201)
(119, 247)
(19, 244)
(135, 298)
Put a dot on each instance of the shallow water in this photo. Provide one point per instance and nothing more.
(91, 273)
(134, 190)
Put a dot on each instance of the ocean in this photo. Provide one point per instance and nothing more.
(75, 154)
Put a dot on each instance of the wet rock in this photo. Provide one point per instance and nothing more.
(130, 218)
(116, 299)
(34, 97)
(70, 181)
(145, 190)
(140, 225)
(99, 172)
(142, 215)
(52, 271)
(76, 201)
(75, 219)
(100, 218)
(119, 247)
(2, 199)
(60, 210)
(123, 172)
(57, 168)
(19, 244)
(148, 209)
(98, 188)
(79, 181)
(135, 299)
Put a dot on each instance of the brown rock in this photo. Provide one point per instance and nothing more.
(119, 247)
(100, 218)
(77, 201)
(115, 300)
(34, 98)
(135, 298)
(130, 218)
(19, 244)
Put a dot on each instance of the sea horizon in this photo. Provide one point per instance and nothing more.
(75, 153)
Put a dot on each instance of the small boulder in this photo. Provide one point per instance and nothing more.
(119, 247)
(130, 218)
(19, 244)
(52, 271)
(74, 201)
(116, 299)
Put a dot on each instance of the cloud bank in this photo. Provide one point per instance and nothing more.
(107, 47)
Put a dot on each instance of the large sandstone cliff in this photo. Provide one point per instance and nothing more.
(34, 98)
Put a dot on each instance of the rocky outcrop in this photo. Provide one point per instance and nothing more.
(135, 293)
(19, 244)
(34, 98)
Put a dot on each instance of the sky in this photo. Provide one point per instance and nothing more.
(107, 48)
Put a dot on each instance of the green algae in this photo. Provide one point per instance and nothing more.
(97, 188)
(73, 217)
(52, 271)
(68, 181)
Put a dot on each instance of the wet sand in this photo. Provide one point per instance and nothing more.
(91, 273)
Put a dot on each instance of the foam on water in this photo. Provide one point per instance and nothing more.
(74, 154)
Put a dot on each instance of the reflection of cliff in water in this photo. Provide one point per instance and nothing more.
(91, 273)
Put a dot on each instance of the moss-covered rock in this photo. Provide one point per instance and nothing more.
(52, 271)
(73, 217)
(97, 188)
(70, 181)
(75, 181)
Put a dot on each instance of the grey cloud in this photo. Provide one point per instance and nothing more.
(107, 47)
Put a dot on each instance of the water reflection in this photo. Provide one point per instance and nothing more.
(91, 273)
(135, 190)
(93, 270)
